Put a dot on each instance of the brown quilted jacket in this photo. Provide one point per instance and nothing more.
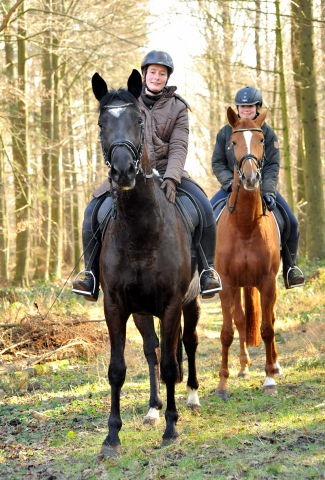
(166, 134)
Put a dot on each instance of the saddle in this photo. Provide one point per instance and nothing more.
(280, 216)
(185, 203)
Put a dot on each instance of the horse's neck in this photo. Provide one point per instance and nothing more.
(249, 205)
(140, 208)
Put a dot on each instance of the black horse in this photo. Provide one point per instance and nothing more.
(145, 263)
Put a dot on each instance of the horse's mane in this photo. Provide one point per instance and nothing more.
(120, 94)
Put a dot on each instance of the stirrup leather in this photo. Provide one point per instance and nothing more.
(299, 284)
(83, 292)
(213, 289)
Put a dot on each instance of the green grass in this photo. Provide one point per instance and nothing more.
(252, 436)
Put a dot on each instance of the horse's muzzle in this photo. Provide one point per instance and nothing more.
(124, 176)
(252, 182)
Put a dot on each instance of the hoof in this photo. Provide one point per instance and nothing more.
(222, 394)
(245, 376)
(195, 407)
(110, 451)
(170, 441)
(151, 421)
(270, 390)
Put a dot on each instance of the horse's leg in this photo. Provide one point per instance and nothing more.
(170, 370)
(278, 369)
(240, 322)
(146, 327)
(116, 323)
(268, 299)
(227, 297)
(191, 314)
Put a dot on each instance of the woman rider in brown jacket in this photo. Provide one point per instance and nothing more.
(165, 117)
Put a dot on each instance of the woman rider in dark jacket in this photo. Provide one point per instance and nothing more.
(165, 116)
(249, 101)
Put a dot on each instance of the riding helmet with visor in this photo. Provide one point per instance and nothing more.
(158, 57)
(248, 96)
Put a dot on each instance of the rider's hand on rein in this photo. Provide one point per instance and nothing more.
(170, 189)
(270, 202)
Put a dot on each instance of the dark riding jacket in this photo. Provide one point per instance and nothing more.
(222, 160)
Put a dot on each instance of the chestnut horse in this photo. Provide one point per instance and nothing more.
(145, 264)
(248, 256)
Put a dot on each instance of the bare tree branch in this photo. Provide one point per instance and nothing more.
(7, 18)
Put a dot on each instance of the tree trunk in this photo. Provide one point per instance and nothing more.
(56, 171)
(21, 165)
(257, 37)
(75, 204)
(295, 49)
(43, 257)
(284, 111)
(310, 120)
(3, 220)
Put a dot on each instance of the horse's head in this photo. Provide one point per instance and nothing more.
(247, 142)
(121, 128)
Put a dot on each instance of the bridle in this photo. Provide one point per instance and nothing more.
(135, 151)
(239, 166)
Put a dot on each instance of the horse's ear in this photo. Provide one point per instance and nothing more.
(232, 117)
(99, 86)
(261, 118)
(135, 83)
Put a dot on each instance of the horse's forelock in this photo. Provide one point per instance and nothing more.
(246, 123)
(120, 94)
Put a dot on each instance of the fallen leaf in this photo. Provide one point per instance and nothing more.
(306, 430)
(21, 385)
(40, 416)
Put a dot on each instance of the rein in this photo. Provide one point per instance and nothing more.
(136, 152)
(239, 165)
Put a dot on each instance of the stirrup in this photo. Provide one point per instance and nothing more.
(213, 290)
(83, 292)
(299, 284)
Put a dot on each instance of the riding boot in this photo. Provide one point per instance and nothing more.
(89, 286)
(209, 285)
(289, 257)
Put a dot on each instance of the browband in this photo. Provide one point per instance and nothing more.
(247, 130)
(119, 106)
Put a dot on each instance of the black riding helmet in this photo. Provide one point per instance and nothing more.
(157, 57)
(248, 96)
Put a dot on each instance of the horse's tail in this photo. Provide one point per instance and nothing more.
(179, 355)
(252, 314)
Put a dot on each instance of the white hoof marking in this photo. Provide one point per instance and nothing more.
(268, 382)
(193, 398)
(153, 413)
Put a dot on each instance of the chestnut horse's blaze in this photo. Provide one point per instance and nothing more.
(248, 256)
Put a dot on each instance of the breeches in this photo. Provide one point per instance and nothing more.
(293, 221)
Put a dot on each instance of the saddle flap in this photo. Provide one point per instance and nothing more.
(218, 208)
(283, 223)
(189, 211)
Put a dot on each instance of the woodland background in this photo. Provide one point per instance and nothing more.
(50, 156)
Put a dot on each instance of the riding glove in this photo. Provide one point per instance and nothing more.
(270, 202)
(229, 189)
(170, 189)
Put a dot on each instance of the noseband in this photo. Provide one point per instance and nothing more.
(239, 165)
